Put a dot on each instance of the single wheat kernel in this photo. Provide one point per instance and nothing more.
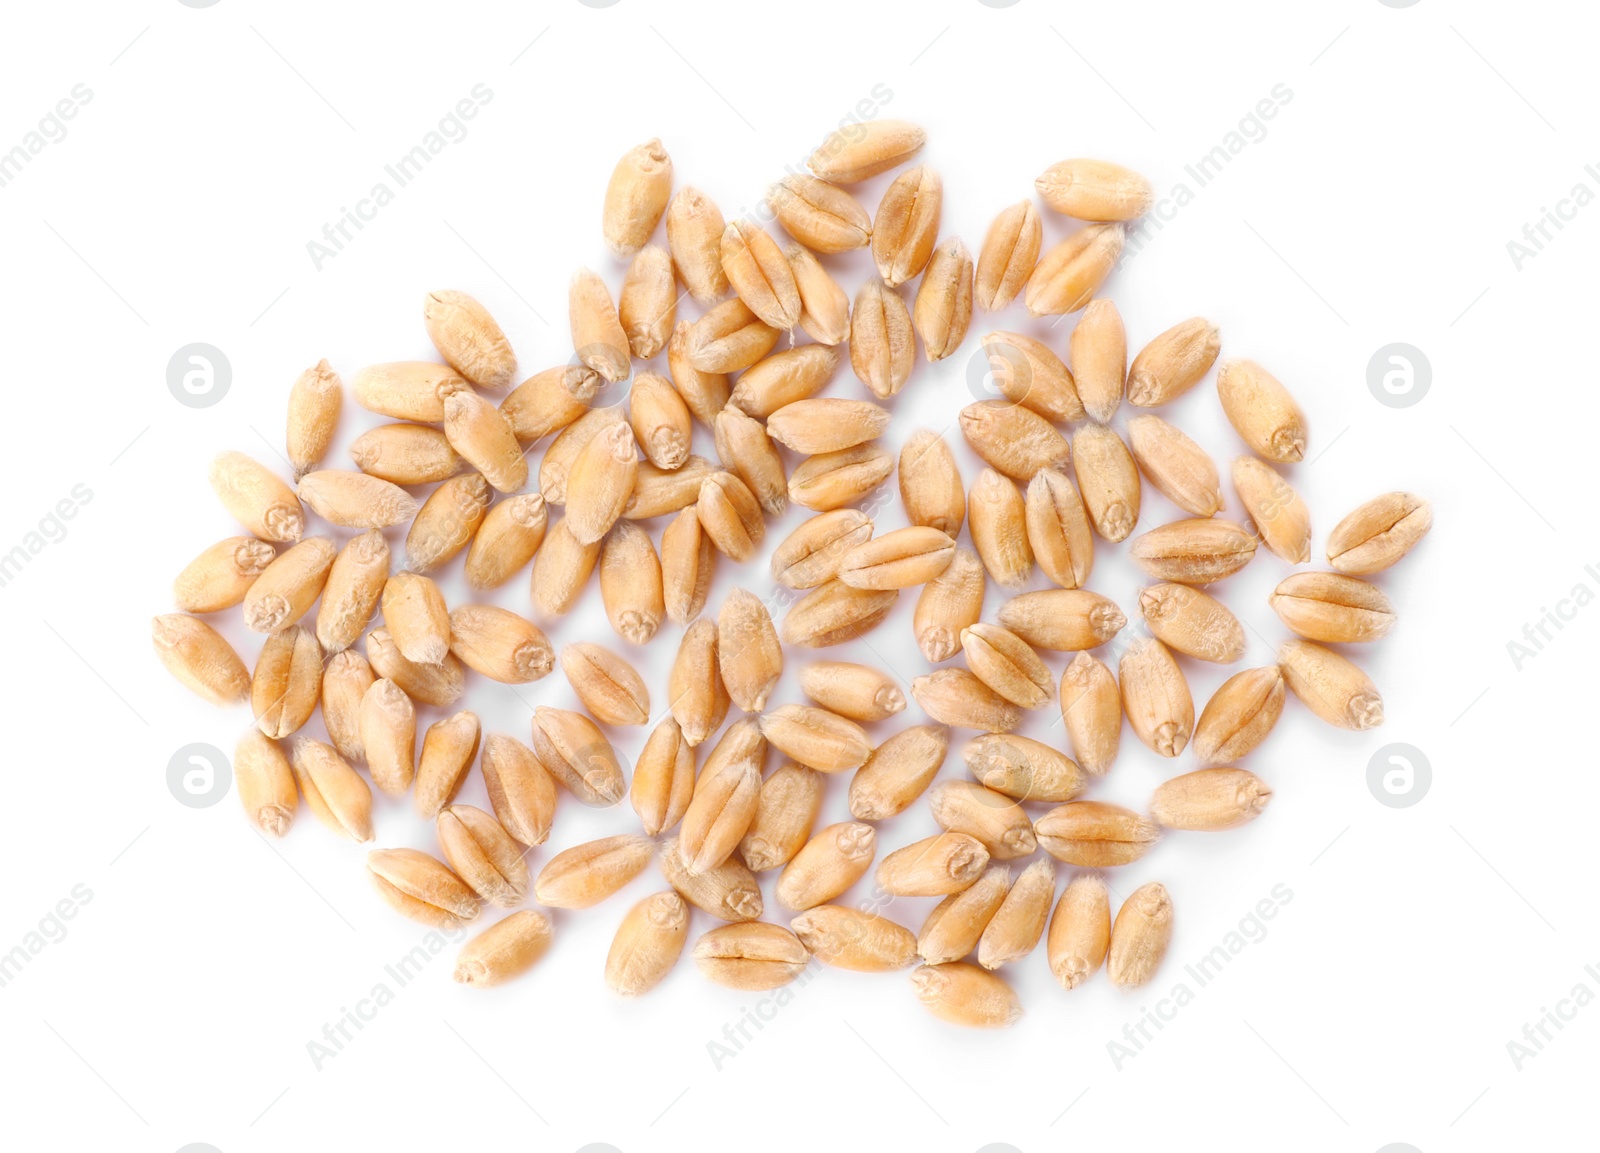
(1210, 799)
(816, 738)
(257, 498)
(1026, 372)
(1015, 929)
(661, 421)
(751, 956)
(819, 215)
(597, 334)
(406, 390)
(1108, 480)
(998, 522)
(406, 454)
(1095, 190)
(963, 994)
(266, 783)
(834, 613)
(835, 479)
(287, 588)
(636, 196)
(389, 736)
(761, 275)
(1010, 250)
(1155, 696)
(647, 306)
(648, 944)
(688, 560)
(600, 483)
(1173, 363)
(447, 751)
(957, 698)
(447, 521)
(865, 148)
(1080, 931)
(1098, 349)
(506, 949)
(586, 874)
(1091, 712)
(826, 865)
(943, 307)
(1261, 411)
(469, 339)
(930, 483)
(220, 576)
(356, 500)
(1329, 607)
(907, 224)
(898, 772)
(999, 822)
(608, 686)
(421, 887)
(1024, 769)
(947, 604)
(694, 235)
(1073, 271)
(483, 435)
(953, 928)
(855, 691)
(575, 752)
(511, 532)
(745, 449)
(440, 685)
(314, 403)
(417, 618)
(334, 792)
(521, 791)
(1140, 936)
(1193, 623)
(1094, 834)
(1176, 465)
(748, 651)
(1379, 533)
(855, 939)
(200, 659)
(287, 681)
(548, 401)
(483, 855)
(1062, 620)
(728, 892)
(345, 680)
(883, 345)
(787, 807)
(663, 779)
(1333, 688)
(1279, 515)
(1013, 439)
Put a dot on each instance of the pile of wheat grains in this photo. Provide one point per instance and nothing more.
(713, 820)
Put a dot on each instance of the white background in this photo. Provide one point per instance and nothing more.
(1376, 1009)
